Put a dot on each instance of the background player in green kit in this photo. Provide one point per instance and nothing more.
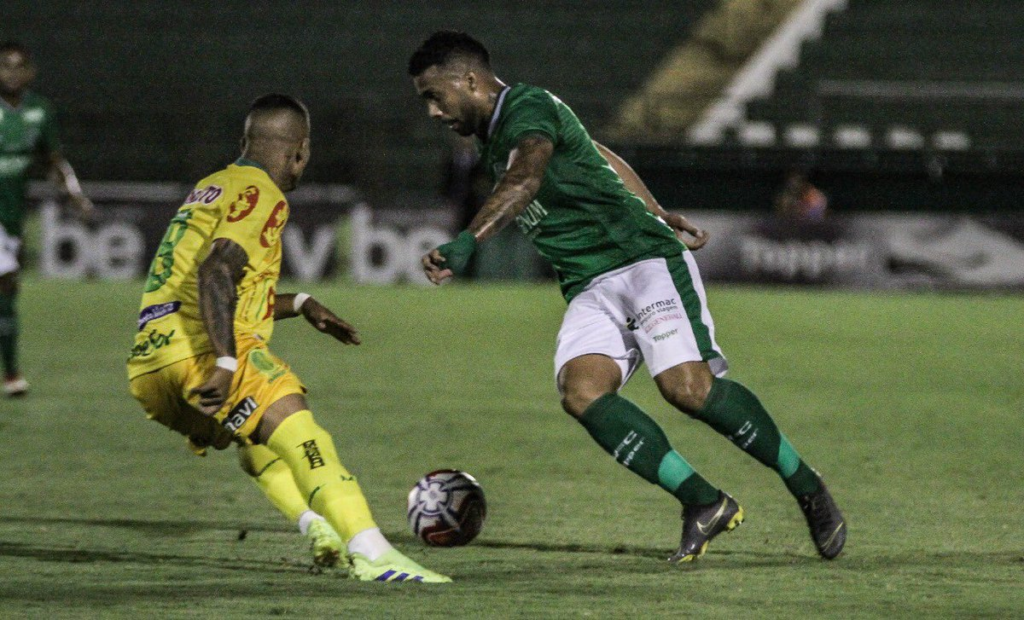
(28, 131)
(634, 292)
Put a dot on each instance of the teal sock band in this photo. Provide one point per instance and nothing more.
(638, 443)
(734, 411)
(673, 471)
(678, 477)
(788, 460)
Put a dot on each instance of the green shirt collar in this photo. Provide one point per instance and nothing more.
(242, 161)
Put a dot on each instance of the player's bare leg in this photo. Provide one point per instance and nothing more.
(589, 386)
(735, 412)
(288, 429)
(14, 384)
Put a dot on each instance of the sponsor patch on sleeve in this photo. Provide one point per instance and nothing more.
(152, 313)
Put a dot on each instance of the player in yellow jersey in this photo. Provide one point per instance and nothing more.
(201, 364)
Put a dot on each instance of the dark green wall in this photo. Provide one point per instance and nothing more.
(748, 179)
(156, 90)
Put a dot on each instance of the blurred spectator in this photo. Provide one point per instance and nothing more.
(800, 200)
(28, 133)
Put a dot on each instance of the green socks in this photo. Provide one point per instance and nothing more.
(636, 441)
(8, 335)
(734, 411)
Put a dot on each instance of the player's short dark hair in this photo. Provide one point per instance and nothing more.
(444, 45)
(277, 101)
(15, 46)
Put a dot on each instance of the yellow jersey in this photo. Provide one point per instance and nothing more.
(240, 203)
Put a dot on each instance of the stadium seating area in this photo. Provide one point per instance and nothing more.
(903, 74)
(155, 90)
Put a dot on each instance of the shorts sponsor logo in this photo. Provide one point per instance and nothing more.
(155, 340)
(659, 306)
(244, 205)
(666, 335)
(312, 453)
(659, 312)
(631, 324)
(242, 412)
(665, 318)
(152, 313)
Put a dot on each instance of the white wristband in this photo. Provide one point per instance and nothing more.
(300, 298)
(227, 363)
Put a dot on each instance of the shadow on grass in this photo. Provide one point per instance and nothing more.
(77, 555)
(730, 559)
(156, 527)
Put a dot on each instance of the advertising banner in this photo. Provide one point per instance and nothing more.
(872, 250)
(863, 250)
(134, 216)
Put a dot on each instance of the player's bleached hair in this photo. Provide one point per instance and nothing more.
(17, 47)
(445, 45)
(276, 101)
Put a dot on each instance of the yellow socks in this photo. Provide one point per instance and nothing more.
(327, 487)
(273, 476)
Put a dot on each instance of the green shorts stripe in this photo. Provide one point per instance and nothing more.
(693, 306)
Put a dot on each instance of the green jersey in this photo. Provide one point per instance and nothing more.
(583, 219)
(25, 132)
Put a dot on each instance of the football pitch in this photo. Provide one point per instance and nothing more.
(910, 405)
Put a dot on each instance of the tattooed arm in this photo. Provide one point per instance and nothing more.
(219, 274)
(526, 165)
(520, 183)
(633, 183)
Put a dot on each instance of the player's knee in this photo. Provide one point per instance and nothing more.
(577, 398)
(687, 391)
(585, 379)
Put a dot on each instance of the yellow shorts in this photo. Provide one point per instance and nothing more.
(261, 380)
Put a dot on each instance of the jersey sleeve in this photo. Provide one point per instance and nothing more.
(248, 213)
(535, 113)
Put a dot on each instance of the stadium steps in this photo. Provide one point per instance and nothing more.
(952, 77)
(693, 74)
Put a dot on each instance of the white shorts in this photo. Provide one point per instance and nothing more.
(653, 311)
(9, 247)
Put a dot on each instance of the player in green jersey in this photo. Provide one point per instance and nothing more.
(28, 131)
(634, 292)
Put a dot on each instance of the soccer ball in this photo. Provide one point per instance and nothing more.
(447, 508)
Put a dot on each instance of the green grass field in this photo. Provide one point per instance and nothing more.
(909, 404)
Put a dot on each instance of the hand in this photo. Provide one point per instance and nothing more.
(682, 226)
(215, 391)
(433, 267)
(325, 321)
(450, 259)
